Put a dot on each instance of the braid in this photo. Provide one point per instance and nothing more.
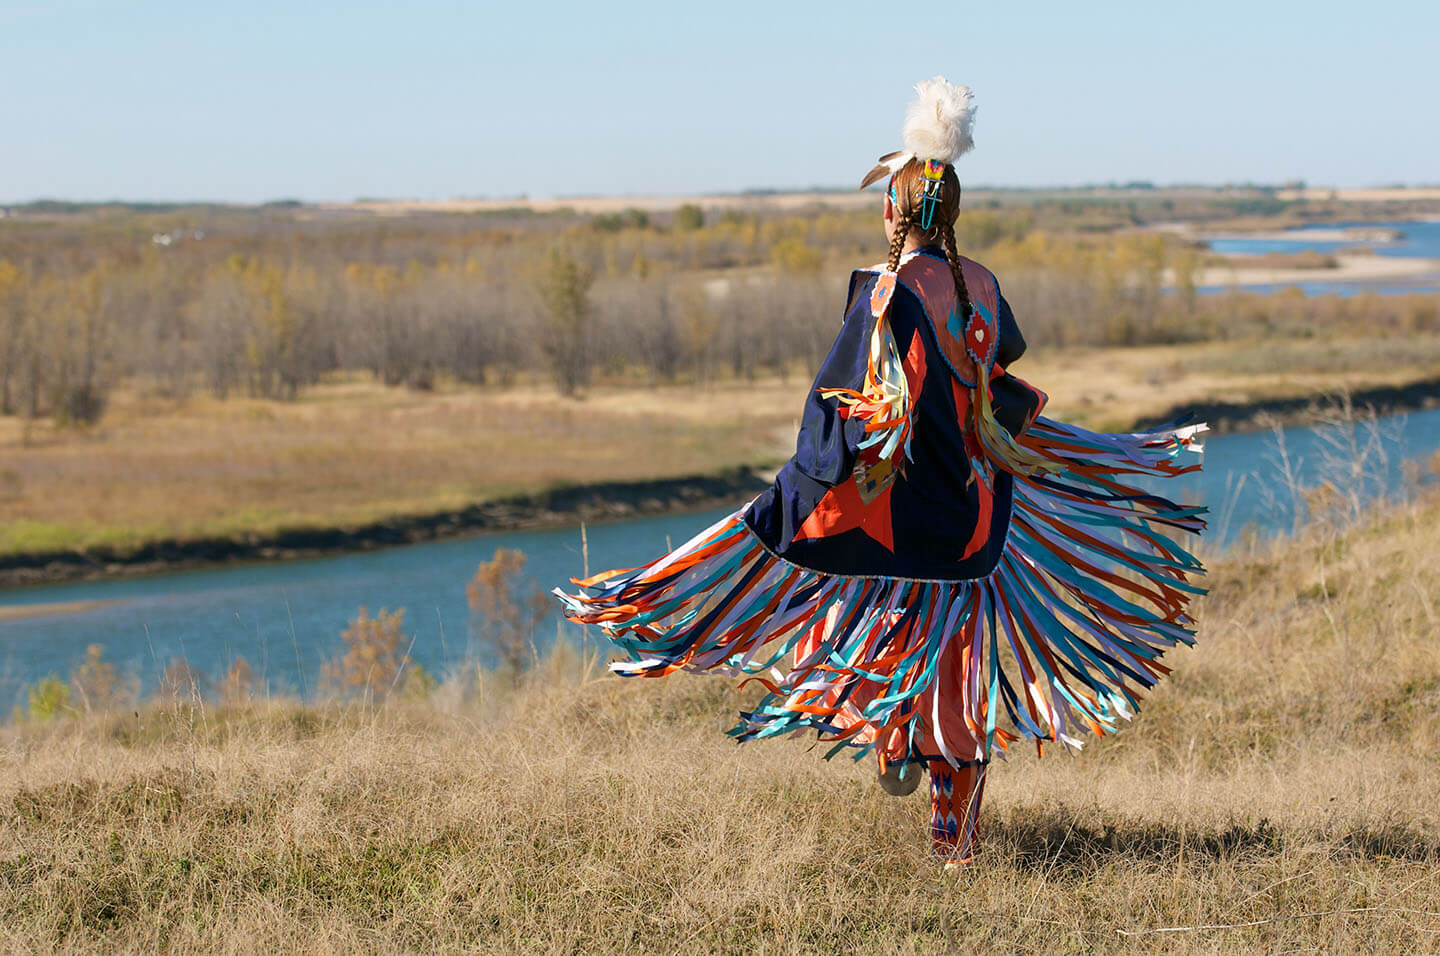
(897, 241)
(908, 186)
(962, 294)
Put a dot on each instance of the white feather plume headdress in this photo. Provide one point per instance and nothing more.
(939, 125)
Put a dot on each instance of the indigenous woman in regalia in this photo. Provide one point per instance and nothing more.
(939, 572)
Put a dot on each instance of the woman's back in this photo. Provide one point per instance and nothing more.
(941, 514)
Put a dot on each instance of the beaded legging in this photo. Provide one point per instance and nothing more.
(955, 809)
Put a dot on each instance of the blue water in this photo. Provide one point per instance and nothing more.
(1418, 239)
(1411, 285)
(286, 619)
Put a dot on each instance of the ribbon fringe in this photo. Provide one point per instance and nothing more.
(1060, 639)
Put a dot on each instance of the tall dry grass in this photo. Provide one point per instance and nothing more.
(351, 453)
(1277, 794)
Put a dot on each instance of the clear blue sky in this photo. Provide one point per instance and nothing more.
(206, 99)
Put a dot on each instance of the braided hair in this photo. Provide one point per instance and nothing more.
(908, 186)
(903, 221)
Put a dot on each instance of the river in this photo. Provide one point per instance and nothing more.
(1418, 239)
(286, 619)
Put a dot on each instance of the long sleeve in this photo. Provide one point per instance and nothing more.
(1012, 343)
(1016, 402)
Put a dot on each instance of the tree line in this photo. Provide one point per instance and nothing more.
(267, 305)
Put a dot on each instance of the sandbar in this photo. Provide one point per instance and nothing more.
(21, 612)
(1358, 268)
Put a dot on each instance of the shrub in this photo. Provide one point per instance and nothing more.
(46, 699)
(96, 682)
(793, 257)
(418, 684)
(505, 610)
(180, 681)
(689, 217)
(236, 686)
(619, 221)
(373, 657)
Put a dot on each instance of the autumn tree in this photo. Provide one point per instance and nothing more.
(79, 334)
(12, 343)
(97, 684)
(689, 217)
(563, 284)
(374, 654)
(505, 609)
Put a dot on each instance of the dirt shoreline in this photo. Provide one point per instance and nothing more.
(1299, 410)
(606, 501)
(1239, 272)
(556, 508)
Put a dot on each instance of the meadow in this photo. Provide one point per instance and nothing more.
(223, 372)
(1275, 794)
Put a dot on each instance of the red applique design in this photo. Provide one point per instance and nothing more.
(980, 339)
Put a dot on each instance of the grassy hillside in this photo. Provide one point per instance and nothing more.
(1276, 795)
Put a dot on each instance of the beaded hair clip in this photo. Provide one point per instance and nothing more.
(933, 173)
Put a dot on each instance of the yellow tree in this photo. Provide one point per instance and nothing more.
(563, 284)
(12, 302)
(373, 656)
(504, 611)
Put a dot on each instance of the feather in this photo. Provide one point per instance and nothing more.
(940, 120)
(875, 175)
(887, 165)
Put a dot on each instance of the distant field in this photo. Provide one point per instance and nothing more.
(1276, 794)
(350, 454)
(1374, 194)
(842, 198)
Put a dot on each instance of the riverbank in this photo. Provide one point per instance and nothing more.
(22, 612)
(559, 507)
(592, 503)
(1347, 234)
(1300, 410)
(1347, 268)
(581, 813)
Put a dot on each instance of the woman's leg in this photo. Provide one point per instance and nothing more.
(955, 794)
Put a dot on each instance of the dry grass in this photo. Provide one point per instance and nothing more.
(1280, 786)
(350, 453)
(353, 453)
(1111, 389)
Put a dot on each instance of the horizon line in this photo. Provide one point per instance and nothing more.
(753, 192)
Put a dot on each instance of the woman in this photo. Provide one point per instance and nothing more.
(938, 571)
